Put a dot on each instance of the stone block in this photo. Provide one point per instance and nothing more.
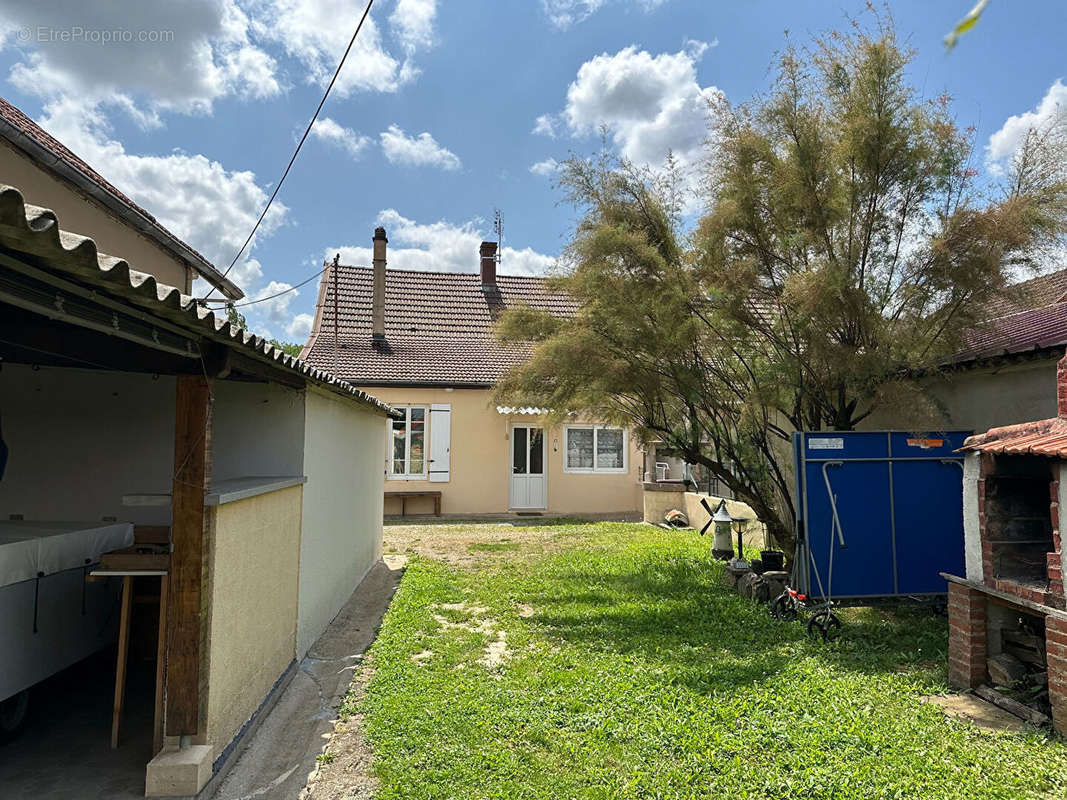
(179, 773)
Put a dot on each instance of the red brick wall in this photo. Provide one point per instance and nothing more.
(985, 470)
(1056, 651)
(967, 637)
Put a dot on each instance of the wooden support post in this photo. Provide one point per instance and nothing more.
(120, 666)
(192, 473)
(161, 660)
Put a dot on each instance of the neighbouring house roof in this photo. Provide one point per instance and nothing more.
(1047, 437)
(47, 151)
(1038, 292)
(1015, 334)
(438, 326)
(33, 235)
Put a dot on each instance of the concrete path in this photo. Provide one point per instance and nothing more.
(280, 754)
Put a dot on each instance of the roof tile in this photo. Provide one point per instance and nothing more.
(1047, 437)
(438, 326)
(1035, 329)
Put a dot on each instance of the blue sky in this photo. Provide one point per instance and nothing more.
(446, 110)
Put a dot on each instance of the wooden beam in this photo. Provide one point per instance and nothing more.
(192, 472)
(1024, 712)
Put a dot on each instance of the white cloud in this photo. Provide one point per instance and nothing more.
(198, 199)
(299, 328)
(316, 32)
(649, 104)
(439, 247)
(332, 132)
(275, 311)
(1005, 142)
(159, 55)
(546, 125)
(143, 57)
(545, 168)
(564, 13)
(419, 151)
(412, 22)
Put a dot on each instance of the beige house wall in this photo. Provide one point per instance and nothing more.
(658, 502)
(250, 607)
(85, 216)
(480, 468)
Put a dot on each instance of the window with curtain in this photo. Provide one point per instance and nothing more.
(591, 448)
(408, 454)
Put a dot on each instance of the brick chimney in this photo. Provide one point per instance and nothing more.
(488, 253)
(378, 302)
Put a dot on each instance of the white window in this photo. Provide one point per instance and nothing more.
(591, 448)
(407, 446)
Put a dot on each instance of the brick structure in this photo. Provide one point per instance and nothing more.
(967, 637)
(1056, 649)
(1012, 600)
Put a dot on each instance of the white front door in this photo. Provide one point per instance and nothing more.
(528, 467)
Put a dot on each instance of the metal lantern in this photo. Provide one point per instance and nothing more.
(722, 548)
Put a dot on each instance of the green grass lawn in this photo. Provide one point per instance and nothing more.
(630, 671)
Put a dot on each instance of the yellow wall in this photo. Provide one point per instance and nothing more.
(79, 214)
(658, 503)
(253, 566)
(479, 472)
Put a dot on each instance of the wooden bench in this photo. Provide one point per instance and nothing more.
(405, 495)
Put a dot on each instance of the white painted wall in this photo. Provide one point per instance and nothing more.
(978, 400)
(80, 439)
(972, 537)
(258, 430)
(341, 536)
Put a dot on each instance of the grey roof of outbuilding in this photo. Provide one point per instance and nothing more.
(29, 230)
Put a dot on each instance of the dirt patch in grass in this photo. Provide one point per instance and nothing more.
(473, 543)
(970, 708)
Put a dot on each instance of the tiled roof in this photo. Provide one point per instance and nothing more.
(1047, 437)
(1034, 293)
(438, 326)
(45, 149)
(32, 234)
(1035, 329)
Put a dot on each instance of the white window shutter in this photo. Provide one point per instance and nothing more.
(440, 442)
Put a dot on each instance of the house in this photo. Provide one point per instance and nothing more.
(248, 481)
(423, 342)
(54, 177)
(1006, 373)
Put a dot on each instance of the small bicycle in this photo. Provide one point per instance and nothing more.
(823, 622)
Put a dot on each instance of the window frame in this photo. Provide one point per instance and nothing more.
(596, 469)
(410, 476)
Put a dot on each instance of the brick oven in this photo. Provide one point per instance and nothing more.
(1007, 623)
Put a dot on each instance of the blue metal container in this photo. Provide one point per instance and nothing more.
(884, 509)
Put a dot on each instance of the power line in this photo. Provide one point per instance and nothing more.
(277, 294)
(300, 144)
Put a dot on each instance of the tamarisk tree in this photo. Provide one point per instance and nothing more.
(847, 245)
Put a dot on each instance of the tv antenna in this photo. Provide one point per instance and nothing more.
(498, 226)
